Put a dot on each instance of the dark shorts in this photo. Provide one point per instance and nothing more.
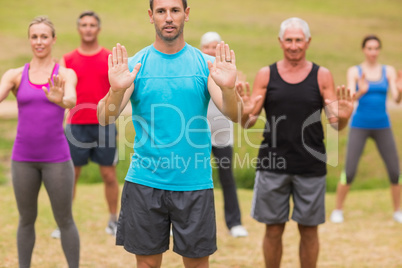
(147, 214)
(94, 142)
(272, 193)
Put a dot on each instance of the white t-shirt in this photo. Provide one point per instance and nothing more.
(221, 127)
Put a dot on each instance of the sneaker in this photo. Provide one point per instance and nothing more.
(336, 216)
(238, 231)
(398, 216)
(56, 233)
(111, 228)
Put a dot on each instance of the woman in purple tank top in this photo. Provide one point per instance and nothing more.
(43, 90)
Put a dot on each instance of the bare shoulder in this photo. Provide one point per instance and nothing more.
(323, 71)
(262, 77)
(14, 75)
(14, 71)
(264, 71)
(324, 76)
(390, 71)
(67, 72)
(352, 70)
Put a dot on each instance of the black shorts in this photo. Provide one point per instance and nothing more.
(147, 213)
(94, 142)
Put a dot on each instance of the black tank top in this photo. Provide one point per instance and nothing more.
(293, 136)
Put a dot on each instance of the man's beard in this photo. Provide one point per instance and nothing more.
(169, 38)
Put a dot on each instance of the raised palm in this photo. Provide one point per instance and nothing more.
(55, 93)
(223, 70)
(250, 102)
(362, 84)
(120, 77)
(342, 108)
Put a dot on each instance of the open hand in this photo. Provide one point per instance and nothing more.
(362, 84)
(342, 108)
(223, 70)
(120, 77)
(55, 93)
(250, 107)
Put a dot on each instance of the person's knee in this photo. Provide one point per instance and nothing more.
(308, 232)
(77, 173)
(196, 262)
(27, 218)
(346, 177)
(274, 231)
(149, 261)
(109, 175)
(395, 178)
(64, 220)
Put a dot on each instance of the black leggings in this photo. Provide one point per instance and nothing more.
(224, 157)
(385, 144)
(58, 179)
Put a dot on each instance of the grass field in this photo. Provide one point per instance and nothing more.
(368, 238)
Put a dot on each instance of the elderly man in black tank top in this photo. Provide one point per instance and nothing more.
(292, 159)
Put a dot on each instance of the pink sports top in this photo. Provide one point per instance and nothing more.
(40, 132)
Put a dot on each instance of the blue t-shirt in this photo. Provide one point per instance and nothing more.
(371, 112)
(172, 145)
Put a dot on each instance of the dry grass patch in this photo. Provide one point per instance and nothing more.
(368, 238)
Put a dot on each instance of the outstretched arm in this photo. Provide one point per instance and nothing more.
(121, 86)
(339, 103)
(222, 81)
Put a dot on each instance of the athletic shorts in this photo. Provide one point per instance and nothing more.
(147, 214)
(272, 193)
(94, 142)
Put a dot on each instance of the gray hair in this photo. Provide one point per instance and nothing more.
(89, 13)
(209, 37)
(294, 23)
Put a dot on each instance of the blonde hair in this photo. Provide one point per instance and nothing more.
(44, 20)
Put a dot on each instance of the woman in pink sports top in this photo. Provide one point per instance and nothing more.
(43, 91)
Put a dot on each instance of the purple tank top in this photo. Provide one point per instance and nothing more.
(40, 132)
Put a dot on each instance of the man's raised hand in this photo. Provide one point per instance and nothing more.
(342, 108)
(223, 70)
(120, 77)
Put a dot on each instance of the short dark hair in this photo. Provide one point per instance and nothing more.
(151, 4)
(89, 13)
(370, 37)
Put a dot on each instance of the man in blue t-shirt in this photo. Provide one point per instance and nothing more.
(169, 182)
